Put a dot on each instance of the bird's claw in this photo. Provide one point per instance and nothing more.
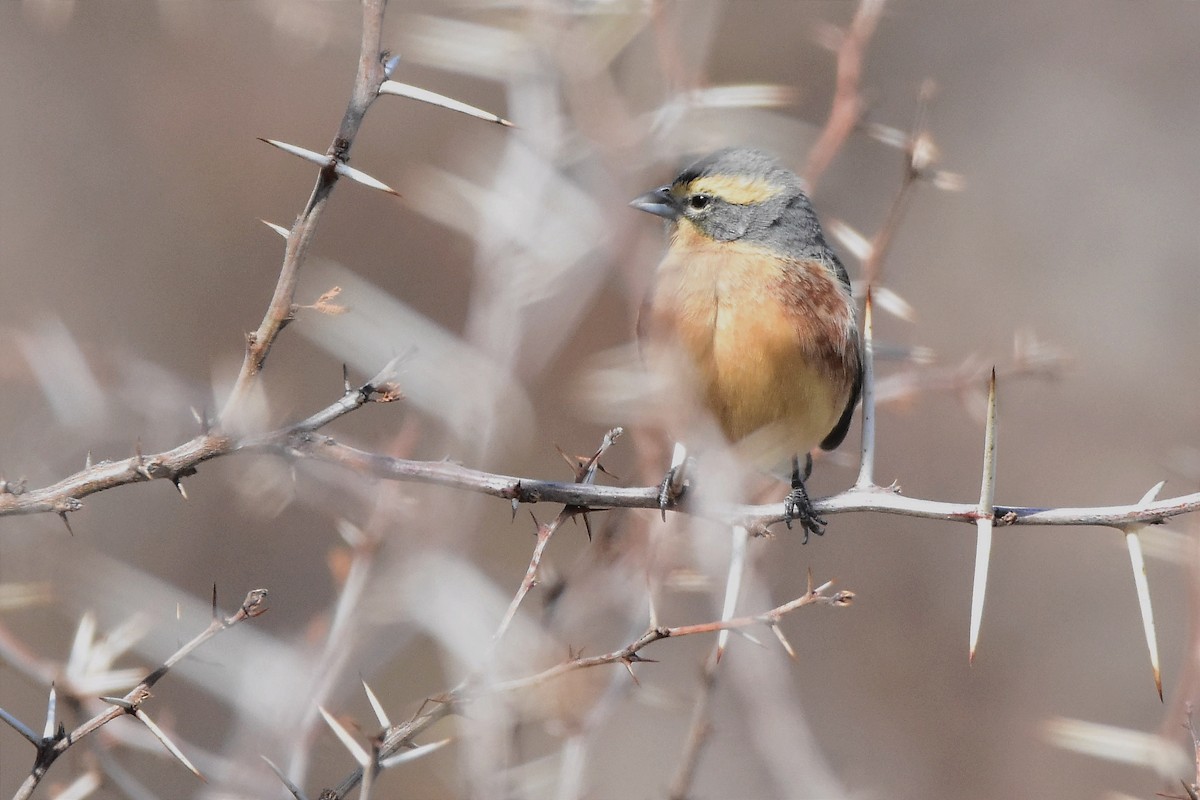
(799, 507)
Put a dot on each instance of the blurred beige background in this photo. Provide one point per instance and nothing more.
(132, 262)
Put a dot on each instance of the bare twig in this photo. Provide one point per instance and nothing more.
(918, 152)
(628, 655)
(297, 441)
(1191, 727)
(698, 732)
(279, 312)
(966, 378)
(57, 741)
(847, 100)
(182, 461)
(585, 474)
(401, 736)
(757, 517)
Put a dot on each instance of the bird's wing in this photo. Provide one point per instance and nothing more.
(838, 433)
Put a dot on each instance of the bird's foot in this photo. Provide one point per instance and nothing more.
(798, 507)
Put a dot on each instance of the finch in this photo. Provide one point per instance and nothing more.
(758, 308)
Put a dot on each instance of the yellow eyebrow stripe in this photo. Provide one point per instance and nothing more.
(734, 188)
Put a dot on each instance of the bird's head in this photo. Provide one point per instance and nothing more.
(735, 193)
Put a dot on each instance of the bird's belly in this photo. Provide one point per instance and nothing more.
(750, 368)
(764, 382)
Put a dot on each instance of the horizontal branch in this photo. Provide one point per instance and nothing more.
(181, 461)
(628, 655)
(756, 517)
(65, 495)
(301, 441)
(448, 473)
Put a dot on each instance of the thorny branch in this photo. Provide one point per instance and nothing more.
(756, 517)
(57, 740)
(180, 462)
(300, 441)
(281, 309)
(585, 473)
(401, 736)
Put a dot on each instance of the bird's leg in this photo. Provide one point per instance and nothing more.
(798, 506)
(674, 484)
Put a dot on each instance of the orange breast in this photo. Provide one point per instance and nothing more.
(767, 340)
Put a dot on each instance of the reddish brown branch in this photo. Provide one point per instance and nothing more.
(401, 736)
(629, 653)
(847, 106)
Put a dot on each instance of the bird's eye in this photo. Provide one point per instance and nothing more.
(700, 201)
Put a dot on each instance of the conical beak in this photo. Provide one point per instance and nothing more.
(659, 202)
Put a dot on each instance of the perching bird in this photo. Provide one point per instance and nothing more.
(757, 304)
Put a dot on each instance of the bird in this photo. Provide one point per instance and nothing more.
(752, 305)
